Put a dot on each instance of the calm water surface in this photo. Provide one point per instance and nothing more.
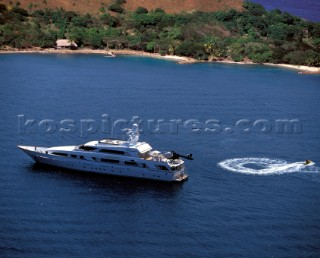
(48, 212)
(308, 9)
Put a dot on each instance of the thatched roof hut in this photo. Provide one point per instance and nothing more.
(66, 43)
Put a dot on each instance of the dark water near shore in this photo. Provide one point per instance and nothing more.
(46, 212)
(308, 9)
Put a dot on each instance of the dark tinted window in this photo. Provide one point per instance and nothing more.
(110, 160)
(60, 154)
(86, 148)
(131, 163)
(162, 167)
(112, 151)
(177, 168)
(73, 156)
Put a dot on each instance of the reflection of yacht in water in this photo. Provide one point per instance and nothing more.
(114, 157)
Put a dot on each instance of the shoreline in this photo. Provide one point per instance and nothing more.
(301, 68)
(179, 59)
(110, 53)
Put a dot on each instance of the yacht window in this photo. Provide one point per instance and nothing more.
(112, 151)
(177, 167)
(86, 148)
(110, 160)
(162, 167)
(73, 156)
(131, 163)
(60, 154)
(81, 157)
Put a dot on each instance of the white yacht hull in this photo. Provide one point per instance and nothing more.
(39, 155)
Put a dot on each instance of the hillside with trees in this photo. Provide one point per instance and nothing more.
(93, 6)
(249, 34)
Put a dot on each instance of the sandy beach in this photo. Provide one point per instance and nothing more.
(115, 52)
(301, 68)
(178, 59)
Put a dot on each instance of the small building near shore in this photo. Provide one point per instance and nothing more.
(66, 44)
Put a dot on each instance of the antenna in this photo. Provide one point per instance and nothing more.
(133, 134)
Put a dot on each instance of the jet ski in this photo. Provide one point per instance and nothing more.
(308, 162)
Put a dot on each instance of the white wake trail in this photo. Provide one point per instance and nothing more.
(265, 166)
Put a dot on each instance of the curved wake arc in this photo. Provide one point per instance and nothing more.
(265, 166)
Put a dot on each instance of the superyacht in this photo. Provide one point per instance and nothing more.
(129, 158)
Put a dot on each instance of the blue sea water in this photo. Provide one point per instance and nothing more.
(221, 211)
(308, 9)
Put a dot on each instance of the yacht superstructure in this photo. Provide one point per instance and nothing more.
(129, 158)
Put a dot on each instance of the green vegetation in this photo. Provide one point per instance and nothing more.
(141, 10)
(117, 6)
(254, 34)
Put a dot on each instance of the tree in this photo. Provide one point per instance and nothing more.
(316, 44)
(258, 52)
(295, 57)
(109, 20)
(151, 46)
(116, 8)
(141, 10)
(172, 33)
(134, 41)
(192, 49)
(254, 9)
(214, 47)
(112, 38)
(76, 34)
(278, 31)
(85, 21)
(93, 37)
(309, 57)
(237, 50)
(20, 11)
(312, 58)
(147, 19)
